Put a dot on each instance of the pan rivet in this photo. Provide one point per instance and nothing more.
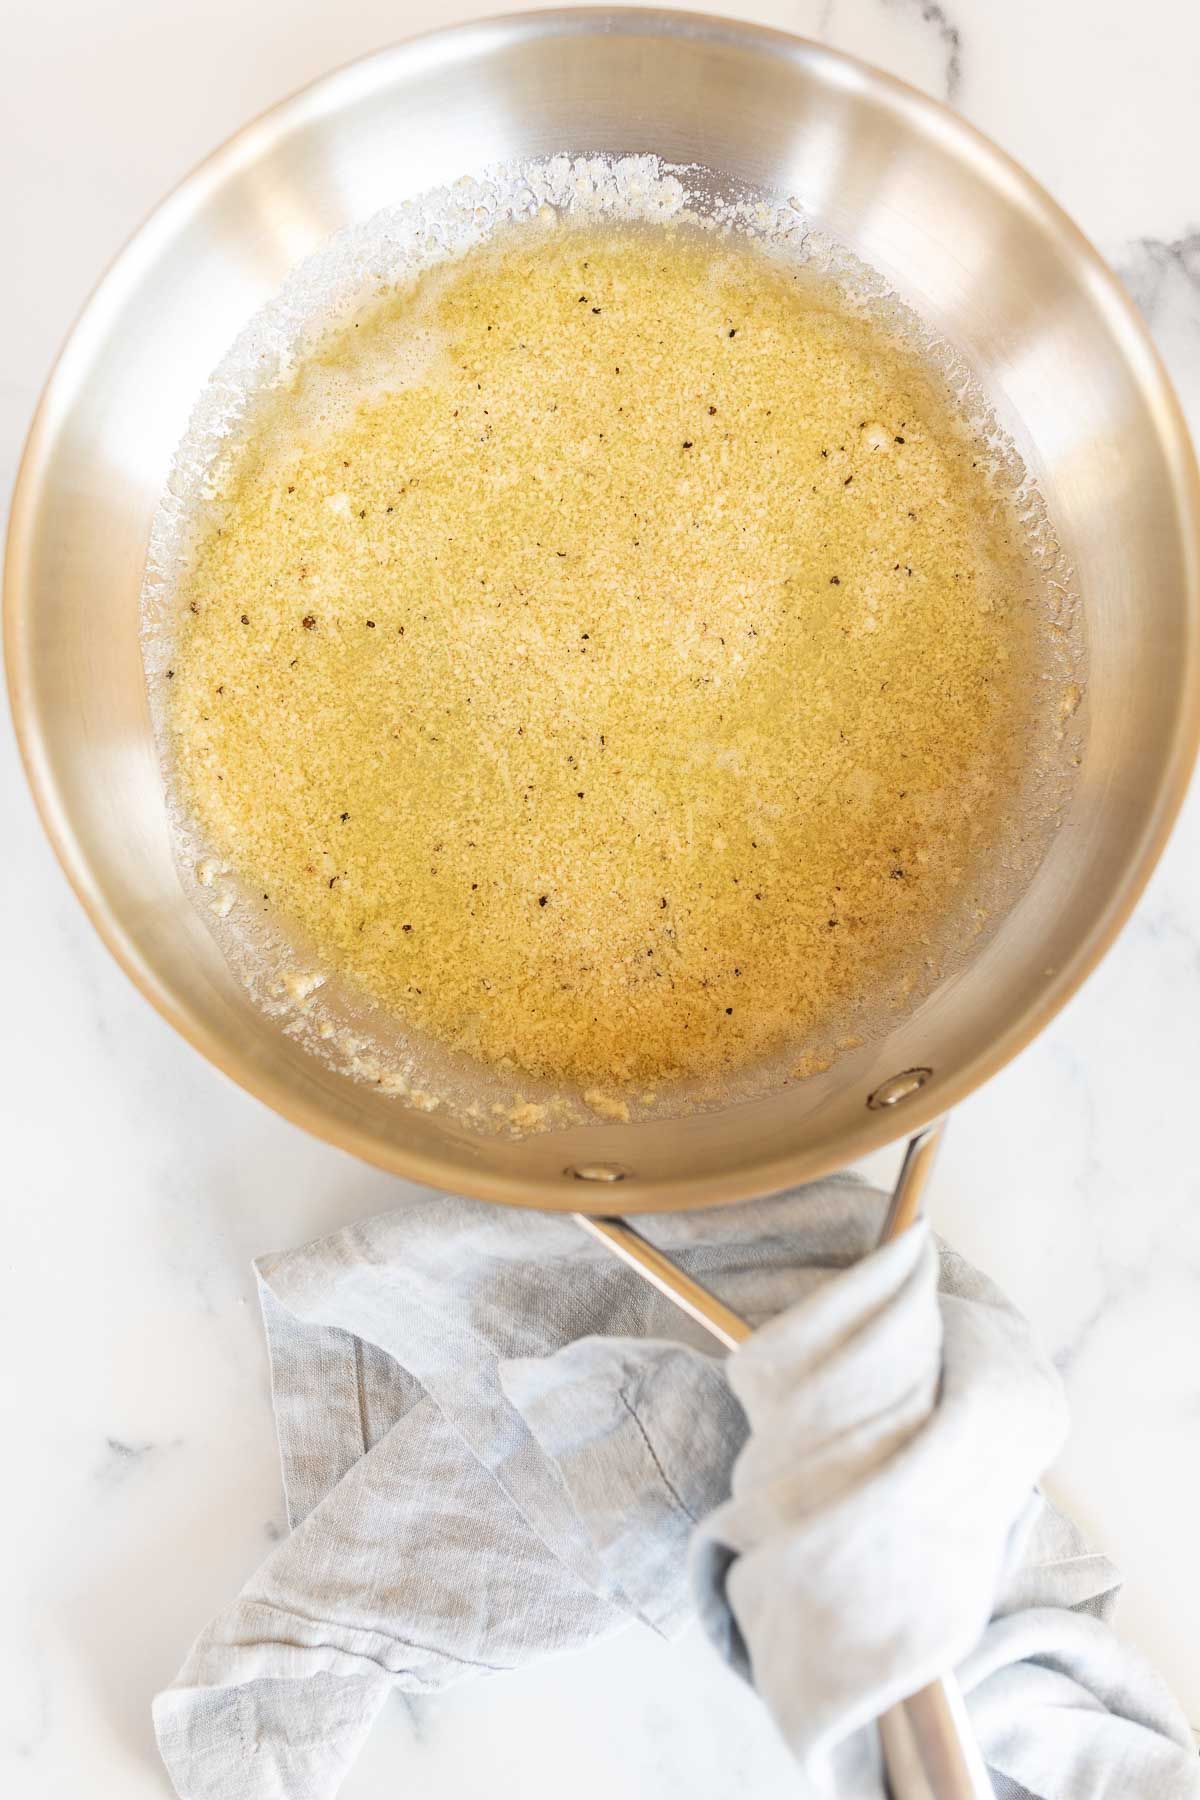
(598, 1172)
(897, 1088)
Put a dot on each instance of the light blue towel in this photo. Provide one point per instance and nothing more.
(499, 1444)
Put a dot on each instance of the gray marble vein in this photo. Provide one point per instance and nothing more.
(1154, 263)
(947, 33)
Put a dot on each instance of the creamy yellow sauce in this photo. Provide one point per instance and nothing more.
(613, 657)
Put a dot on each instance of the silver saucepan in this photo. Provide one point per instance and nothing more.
(964, 235)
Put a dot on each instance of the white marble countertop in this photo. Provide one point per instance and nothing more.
(140, 1484)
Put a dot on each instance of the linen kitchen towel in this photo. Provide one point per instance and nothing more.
(499, 1444)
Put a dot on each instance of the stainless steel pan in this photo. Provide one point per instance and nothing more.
(965, 235)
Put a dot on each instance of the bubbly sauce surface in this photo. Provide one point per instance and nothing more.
(613, 656)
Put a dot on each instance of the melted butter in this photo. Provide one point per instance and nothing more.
(614, 657)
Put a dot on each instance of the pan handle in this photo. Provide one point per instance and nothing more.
(929, 1751)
